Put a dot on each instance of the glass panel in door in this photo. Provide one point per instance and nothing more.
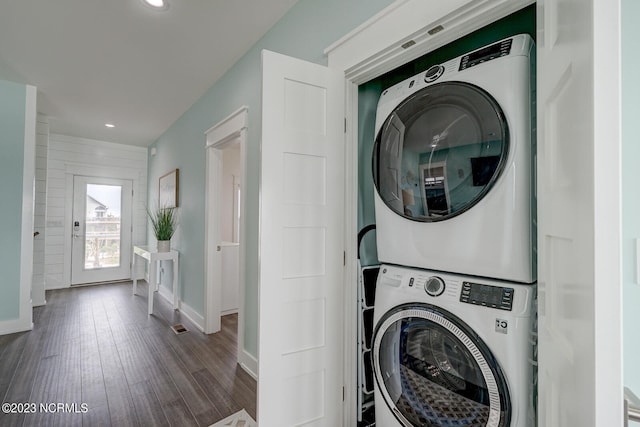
(103, 221)
(434, 372)
(440, 151)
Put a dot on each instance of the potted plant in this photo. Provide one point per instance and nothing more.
(164, 222)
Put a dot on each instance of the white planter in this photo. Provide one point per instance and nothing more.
(164, 245)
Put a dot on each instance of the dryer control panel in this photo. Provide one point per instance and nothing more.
(485, 54)
(487, 295)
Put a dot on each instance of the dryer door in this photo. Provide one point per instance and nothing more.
(440, 151)
(433, 370)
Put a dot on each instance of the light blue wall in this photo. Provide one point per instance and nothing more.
(630, 192)
(12, 117)
(307, 29)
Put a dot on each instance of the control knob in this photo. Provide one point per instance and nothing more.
(434, 286)
(433, 73)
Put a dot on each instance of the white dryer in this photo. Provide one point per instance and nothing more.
(453, 166)
(451, 350)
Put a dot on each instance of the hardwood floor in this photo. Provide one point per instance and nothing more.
(95, 347)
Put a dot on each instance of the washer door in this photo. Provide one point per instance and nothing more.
(440, 151)
(433, 370)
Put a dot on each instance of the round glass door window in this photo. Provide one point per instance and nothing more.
(440, 151)
(433, 370)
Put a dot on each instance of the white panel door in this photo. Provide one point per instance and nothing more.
(578, 214)
(101, 241)
(301, 244)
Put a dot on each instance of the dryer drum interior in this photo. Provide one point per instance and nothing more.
(433, 370)
(440, 151)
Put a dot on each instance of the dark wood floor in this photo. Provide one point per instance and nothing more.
(96, 346)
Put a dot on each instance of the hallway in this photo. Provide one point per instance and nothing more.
(96, 345)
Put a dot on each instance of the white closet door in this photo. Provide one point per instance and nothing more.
(301, 244)
(579, 213)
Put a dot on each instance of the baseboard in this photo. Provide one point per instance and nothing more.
(248, 363)
(14, 325)
(51, 283)
(165, 293)
(39, 303)
(185, 309)
(230, 311)
(192, 315)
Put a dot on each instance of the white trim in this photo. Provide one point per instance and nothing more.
(165, 293)
(15, 325)
(72, 170)
(376, 46)
(24, 321)
(196, 318)
(607, 210)
(228, 127)
(248, 363)
(230, 311)
(68, 218)
(367, 52)
(232, 127)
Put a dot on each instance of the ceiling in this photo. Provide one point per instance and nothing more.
(121, 62)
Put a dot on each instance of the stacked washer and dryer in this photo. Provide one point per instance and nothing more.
(455, 214)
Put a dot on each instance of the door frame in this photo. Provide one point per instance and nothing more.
(233, 127)
(97, 172)
(126, 221)
(395, 36)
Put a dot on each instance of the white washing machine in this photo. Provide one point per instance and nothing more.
(453, 166)
(451, 350)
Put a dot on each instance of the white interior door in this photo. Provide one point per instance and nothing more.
(101, 240)
(579, 214)
(301, 244)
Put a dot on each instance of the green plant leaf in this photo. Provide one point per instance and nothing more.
(164, 222)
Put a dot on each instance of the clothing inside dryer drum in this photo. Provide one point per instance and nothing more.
(432, 378)
(440, 151)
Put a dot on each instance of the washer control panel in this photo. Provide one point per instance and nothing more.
(487, 295)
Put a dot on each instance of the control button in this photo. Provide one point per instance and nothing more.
(434, 286)
(433, 73)
(411, 282)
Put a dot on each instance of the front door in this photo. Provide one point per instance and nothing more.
(101, 239)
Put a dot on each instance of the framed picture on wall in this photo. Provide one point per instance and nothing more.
(168, 189)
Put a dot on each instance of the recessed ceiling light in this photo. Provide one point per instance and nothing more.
(109, 125)
(157, 4)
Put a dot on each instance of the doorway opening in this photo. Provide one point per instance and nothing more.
(224, 227)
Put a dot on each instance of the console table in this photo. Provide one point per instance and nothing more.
(153, 256)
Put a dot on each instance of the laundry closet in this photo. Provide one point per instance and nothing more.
(447, 202)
